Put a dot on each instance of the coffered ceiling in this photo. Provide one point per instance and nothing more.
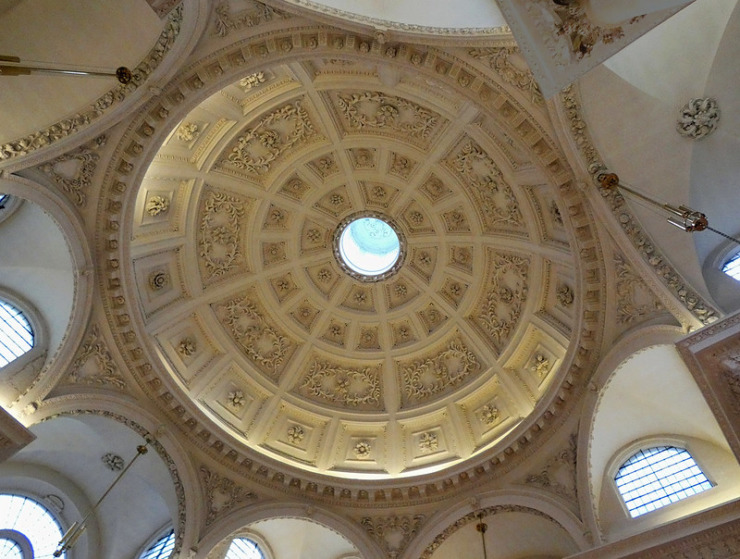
(238, 282)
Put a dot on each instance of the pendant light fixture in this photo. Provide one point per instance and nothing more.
(482, 527)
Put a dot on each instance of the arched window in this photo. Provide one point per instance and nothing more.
(244, 548)
(16, 333)
(732, 267)
(655, 477)
(162, 548)
(24, 519)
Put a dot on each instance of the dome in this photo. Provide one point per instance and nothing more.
(242, 231)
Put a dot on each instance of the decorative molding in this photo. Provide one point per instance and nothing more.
(113, 462)
(393, 533)
(263, 343)
(698, 118)
(344, 386)
(258, 13)
(499, 59)
(75, 182)
(436, 373)
(635, 301)
(473, 517)
(559, 473)
(70, 125)
(101, 371)
(157, 205)
(500, 308)
(689, 298)
(220, 233)
(222, 494)
(257, 149)
(369, 110)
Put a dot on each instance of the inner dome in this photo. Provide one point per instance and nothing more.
(368, 246)
(265, 335)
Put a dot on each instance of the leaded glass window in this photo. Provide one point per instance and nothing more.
(162, 548)
(655, 477)
(244, 548)
(16, 333)
(30, 518)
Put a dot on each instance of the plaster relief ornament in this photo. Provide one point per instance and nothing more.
(565, 295)
(113, 462)
(159, 280)
(236, 399)
(220, 227)
(187, 132)
(157, 205)
(343, 386)
(262, 342)
(222, 494)
(296, 434)
(499, 311)
(393, 532)
(511, 67)
(362, 450)
(374, 110)
(497, 204)
(698, 118)
(540, 365)
(435, 374)
(187, 347)
(489, 414)
(259, 147)
(428, 442)
(252, 81)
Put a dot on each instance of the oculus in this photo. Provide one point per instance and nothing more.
(369, 246)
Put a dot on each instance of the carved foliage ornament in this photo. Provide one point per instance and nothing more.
(503, 61)
(222, 494)
(157, 205)
(101, 370)
(78, 121)
(634, 298)
(281, 130)
(343, 386)
(433, 375)
(256, 14)
(393, 532)
(502, 305)
(497, 204)
(219, 232)
(76, 182)
(381, 111)
(261, 342)
(698, 118)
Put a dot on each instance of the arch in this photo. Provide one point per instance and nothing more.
(67, 336)
(644, 478)
(189, 509)
(531, 505)
(24, 343)
(25, 521)
(668, 409)
(247, 521)
(161, 546)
